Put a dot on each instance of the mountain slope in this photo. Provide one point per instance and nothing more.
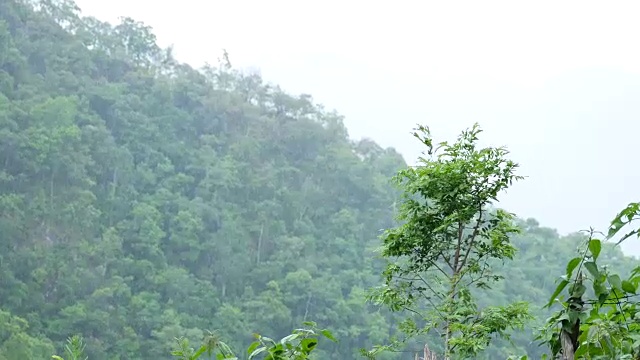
(143, 200)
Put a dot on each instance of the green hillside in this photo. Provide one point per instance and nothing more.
(142, 200)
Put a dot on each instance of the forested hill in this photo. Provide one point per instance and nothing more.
(141, 200)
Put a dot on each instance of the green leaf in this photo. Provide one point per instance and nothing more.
(277, 349)
(592, 268)
(257, 352)
(628, 287)
(200, 351)
(594, 247)
(563, 284)
(572, 264)
(615, 282)
(267, 339)
(288, 338)
(328, 335)
(599, 289)
(308, 344)
(618, 222)
(581, 351)
(578, 290)
(254, 345)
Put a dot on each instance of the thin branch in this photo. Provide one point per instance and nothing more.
(456, 258)
(433, 263)
(472, 237)
(429, 286)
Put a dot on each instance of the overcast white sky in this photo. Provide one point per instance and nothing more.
(557, 82)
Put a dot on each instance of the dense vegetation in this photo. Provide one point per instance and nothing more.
(142, 200)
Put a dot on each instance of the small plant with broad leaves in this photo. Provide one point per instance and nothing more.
(449, 240)
(599, 316)
(297, 346)
(212, 345)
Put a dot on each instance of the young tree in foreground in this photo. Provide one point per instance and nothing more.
(604, 323)
(449, 239)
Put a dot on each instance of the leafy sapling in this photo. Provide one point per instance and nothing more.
(450, 238)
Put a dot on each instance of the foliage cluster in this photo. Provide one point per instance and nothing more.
(297, 346)
(448, 242)
(602, 322)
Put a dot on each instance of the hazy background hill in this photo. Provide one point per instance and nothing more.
(556, 83)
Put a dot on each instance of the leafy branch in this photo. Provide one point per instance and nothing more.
(605, 325)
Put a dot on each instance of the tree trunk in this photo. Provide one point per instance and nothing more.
(427, 354)
(260, 244)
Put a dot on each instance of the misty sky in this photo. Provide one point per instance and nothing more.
(557, 82)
